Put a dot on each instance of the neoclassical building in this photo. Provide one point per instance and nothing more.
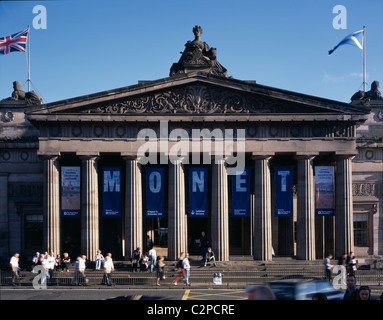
(155, 160)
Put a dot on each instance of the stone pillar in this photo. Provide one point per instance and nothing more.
(51, 235)
(344, 231)
(262, 209)
(4, 220)
(306, 209)
(89, 205)
(177, 219)
(220, 211)
(133, 206)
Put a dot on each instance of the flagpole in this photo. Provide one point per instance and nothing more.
(364, 59)
(29, 59)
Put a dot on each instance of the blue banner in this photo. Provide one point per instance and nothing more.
(198, 192)
(283, 177)
(70, 191)
(155, 192)
(111, 192)
(241, 193)
(324, 191)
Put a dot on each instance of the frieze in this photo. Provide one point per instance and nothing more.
(365, 189)
(196, 99)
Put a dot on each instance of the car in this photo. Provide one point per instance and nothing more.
(304, 289)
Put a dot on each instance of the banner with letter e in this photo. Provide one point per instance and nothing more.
(283, 177)
(155, 192)
(111, 192)
(241, 193)
(324, 191)
(198, 192)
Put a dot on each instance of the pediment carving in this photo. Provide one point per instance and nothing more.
(197, 99)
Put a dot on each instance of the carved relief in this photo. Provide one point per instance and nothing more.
(365, 189)
(195, 99)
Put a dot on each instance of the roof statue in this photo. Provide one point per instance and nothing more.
(198, 56)
(362, 97)
(18, 94)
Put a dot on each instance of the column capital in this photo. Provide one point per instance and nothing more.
(88, 156)
(305, 156)
(53, 157)
(262, 156)
(130, 157)
(348, 155)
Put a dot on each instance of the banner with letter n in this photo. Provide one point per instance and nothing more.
(283, 205)
(198, 192)
(155, 192)
(324, 191)
(241, 193)
(70, 191)
(111, 192)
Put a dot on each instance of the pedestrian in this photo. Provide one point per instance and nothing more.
(260, 292)
(203, 243)
(14, 262)
(108, 267)
(180, 269)
(51, 266)
(351, 291)
(149, 243)
(136, 256)
(186, 267)
(98, 259)
(348, 258)
(36, 260)
(209, 256)
(319, 296)
(45, 277)
(342, 259)
(152, 258)
(66, 262)
(58, 263)
(76, 276)
(328, 267)
(364, 293)
(160, 269)
(352, 264)
(144, 262)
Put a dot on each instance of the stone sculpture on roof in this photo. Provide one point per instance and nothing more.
(198, 56)
(19, 94)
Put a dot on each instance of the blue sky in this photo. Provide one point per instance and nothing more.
(93, 45)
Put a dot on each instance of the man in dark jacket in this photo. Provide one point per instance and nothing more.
(352, 291)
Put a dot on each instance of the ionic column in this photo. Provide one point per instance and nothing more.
(262, 209)
(306, 209)
(133, 206)
(344, 231)
(177, 219)
(220, 211)
(89, 205)
(51, 204)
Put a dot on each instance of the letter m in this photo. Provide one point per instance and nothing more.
(111, 181)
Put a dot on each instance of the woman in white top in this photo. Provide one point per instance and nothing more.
(98, 258)
(186, 266)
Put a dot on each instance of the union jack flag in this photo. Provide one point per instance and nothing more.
(15, 42)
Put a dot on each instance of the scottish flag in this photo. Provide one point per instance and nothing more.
(355, 39)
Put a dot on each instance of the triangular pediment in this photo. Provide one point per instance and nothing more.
(198, 94)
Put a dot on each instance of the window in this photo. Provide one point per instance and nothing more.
(361, 230)
(33, 231)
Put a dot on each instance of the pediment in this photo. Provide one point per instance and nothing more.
(198, 95)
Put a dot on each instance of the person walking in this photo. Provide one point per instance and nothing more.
(328, 267)
(203, 243)
(152, 258)
(36, 260)
(51, 266)
(186, 267)
(179, 267)
(160, 269)
(108, 267)
(14, 262)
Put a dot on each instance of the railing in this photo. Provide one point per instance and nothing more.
(199, 276)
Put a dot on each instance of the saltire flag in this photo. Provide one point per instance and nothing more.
(355, 39)
(15, 42)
